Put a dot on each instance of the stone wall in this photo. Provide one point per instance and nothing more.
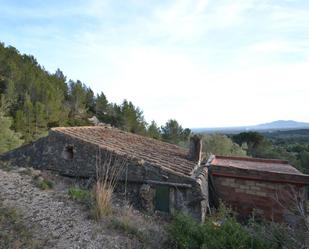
(142, 196)
(270, 200)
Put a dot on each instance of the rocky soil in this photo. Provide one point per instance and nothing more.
(57, 221)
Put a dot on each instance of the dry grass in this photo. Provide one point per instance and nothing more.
(145, 231)
(103, 199)
(109, 167)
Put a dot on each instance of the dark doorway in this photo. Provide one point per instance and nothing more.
(162, 198)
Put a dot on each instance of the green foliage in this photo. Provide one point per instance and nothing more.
(101, 107)
(132, 118)
(80, 195)
(185, 232)
(173, 132)
(37, 100)
(220, 231)
(153, 130)
(35, 97)
(285, 145)
(8, 138)
(279, 235)
(221, 145)
(304, 157)
(252, 139)
(6, 165)
(42, 183)
(78, 98)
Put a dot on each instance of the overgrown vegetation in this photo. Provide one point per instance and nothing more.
(222, 230)
(42, 183)
(13, 233)
(124, 222)
(33, 100)
(5, 165)
(219, 144)
(279, 236)
(149, 231)
(80, 195)
(292, 146)
(219, 231)
(109, 167)
(125, 226)
(287, 145)
(8, 138)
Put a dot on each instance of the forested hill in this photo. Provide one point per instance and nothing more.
(33, 100)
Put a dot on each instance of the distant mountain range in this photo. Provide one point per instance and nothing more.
(276, 125)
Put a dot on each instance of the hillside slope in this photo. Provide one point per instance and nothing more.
(58, 222)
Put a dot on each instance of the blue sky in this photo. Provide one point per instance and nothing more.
(205, 63)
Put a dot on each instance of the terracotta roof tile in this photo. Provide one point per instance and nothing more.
(153, 151)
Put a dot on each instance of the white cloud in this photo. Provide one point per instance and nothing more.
(278, 46)
(205, 63)
(171, 86)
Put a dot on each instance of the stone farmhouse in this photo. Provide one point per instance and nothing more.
(159, 175)
(164, 177)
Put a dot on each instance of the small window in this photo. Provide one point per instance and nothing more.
(68, 152)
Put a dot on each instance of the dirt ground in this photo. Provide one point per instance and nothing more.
(56, 221)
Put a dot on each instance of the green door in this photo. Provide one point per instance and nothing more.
(162, 199)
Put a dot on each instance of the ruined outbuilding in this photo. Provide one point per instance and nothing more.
(158, 175)
(273, 189)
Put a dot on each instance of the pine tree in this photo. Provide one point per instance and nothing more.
(8, 138)
(132, 117)
(174, 133)
(153, 130)
(101, 107)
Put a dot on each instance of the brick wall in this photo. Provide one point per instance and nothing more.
(268, 199)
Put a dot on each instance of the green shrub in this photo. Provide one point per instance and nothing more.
(127, 226)
(220, 231)
(185, 232)
(5, 165)
(80, 195)
(42, 183)
(280, 235)
(45, 184)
